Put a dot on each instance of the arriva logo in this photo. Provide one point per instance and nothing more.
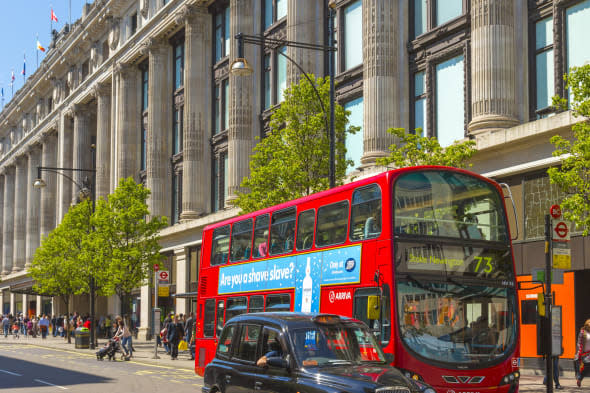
(334, 296)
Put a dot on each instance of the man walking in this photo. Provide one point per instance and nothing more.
(188, 333)
(5, 325)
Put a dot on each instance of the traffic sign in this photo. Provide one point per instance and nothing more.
(156, 267)
(555, 211)
(163, 276)
(561, 231)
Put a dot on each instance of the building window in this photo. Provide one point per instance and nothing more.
(274, 77)
(544, 65)
(450, 101)
(420, 103)
(177, 130)
(133, 23)
(353, 35)
(144, 108)
(429, 14)
(577, 33)
(354, 142)
(222, 38)
(220, 181)
(85, 70)
(193, 268)
(281, 75)
(178, 65)
(221, 111)
(267, 81)
(176, 196)
(274, 10)
(105, 50)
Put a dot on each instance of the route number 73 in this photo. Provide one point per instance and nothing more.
(485, 263)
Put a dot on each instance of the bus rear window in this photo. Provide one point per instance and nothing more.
(332, 224)
(241, 240)
(276, 303)
(365, 217)
(220, 245)
(209, 318)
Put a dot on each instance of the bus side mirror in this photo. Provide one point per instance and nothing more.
(373, 307)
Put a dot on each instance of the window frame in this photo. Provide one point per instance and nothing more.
(317, 231)
(431, 25)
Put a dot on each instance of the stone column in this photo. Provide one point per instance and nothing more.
(128, 126)
(20, 214)
(379, 78)
(49, 192)
(102, 93)
(8, 220)
(64, 186)
(240, 136)
(196, 179)
(158, 167)
(181, 279)
(38, 304)
(12, 303)
(493, 75)
(33, 205)
(305, 23)
(1, 222)
(25, 301)
(82, 157)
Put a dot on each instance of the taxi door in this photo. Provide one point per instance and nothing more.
(273, 379)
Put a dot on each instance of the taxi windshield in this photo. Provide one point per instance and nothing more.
(336, 345)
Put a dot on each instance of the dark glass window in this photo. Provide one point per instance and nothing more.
(305, 229)
(256, 304)
(176, 196)
(261, 236)
(248, 343)
(267, 81)
(220, 317)
(332, 224)
(235, 306)
(133, 20)
(277, 303)
(381, 327)
(224, 348)
(544, 69)
(220, 181)
(221, 110)
(241, 240)
(178, 51)
(177, 127)
(220, 245)
(429, 14)
(282, 231)
(209, 318)
(528, 312)
(274, 10)
(222, 38)
(365, 220)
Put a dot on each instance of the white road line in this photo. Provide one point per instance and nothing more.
(50, 384)
(11, 373)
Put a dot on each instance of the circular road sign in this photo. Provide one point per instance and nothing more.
(163, 275)
(555, 211)
(561, 229)
(156, 267)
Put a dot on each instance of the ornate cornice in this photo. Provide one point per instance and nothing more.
(100, 89)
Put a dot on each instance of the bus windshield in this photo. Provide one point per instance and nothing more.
(449, 205)
(460, 324)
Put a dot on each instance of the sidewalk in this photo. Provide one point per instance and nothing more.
(144, 350)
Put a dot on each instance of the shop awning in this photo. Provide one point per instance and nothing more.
(25, 288)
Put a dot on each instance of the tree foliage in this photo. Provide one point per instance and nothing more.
(573, 176)
(293, 160)
(414, 149)
(127, 244)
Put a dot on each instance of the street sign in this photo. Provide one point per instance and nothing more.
(556, 275)
(555, 211)
(156, 267)
(164, 291)
(562, 257)
(163, 276)
(561, 230)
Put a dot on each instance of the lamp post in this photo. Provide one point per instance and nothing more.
(86, 190)
(241, 67)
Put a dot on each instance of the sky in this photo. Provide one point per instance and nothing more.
(23, 20)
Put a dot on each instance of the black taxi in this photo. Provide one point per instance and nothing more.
(300, 352)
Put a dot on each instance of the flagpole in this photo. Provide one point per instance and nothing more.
(37, 52)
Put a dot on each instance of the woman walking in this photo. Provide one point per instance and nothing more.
(175, 333)
(582, 358)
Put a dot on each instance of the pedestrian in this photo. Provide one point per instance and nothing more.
(54, 325)
(127, 342)
(175, 333)
(118, 336)
(188, 333)
(44, 326)
(6, 325)
(107, 327)
(582, 358)
(555, 360)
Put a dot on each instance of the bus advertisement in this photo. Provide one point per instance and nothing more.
(422, 255)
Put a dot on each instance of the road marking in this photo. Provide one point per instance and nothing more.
(11, 373)
(50, 384)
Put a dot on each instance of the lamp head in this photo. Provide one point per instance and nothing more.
(39, 183)
(240, 67)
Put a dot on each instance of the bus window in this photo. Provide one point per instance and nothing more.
(209, 319)
(282, 231)
(241, 241)
(276, 303)
(305, 227)
(261, 237)
(381, 327)
(332, 224)
(220, 245)
(235, 306)
(220, 317)
(365, 216)
(256, 304)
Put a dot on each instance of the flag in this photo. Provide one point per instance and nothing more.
(53, 17)
(24, 71)
(12, 77)
(2, 92)
(40, 47)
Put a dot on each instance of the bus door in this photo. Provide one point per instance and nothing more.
(365, 300)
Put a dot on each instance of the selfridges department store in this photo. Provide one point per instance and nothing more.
(148, 82)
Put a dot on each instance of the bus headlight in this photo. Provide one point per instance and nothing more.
(510, 378)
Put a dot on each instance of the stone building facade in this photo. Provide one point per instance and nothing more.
(148, 82)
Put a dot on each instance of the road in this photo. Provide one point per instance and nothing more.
(31, 368)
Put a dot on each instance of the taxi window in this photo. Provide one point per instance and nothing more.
(248, 342)
(224, 347)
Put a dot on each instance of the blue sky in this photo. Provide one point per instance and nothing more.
(22, 21)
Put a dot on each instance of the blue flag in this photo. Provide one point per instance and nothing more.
(24, 65)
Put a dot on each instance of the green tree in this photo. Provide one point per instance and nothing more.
(126, 244)
(292, 161)
(573, 176)
(414, 149)
(56, 266)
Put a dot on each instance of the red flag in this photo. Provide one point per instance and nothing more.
(53, 17)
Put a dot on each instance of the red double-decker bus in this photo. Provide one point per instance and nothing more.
(422, 255)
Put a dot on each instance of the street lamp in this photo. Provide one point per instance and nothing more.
(241, 67)
(86, 190)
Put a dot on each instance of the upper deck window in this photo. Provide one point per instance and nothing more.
(332, 224)
(220, 245)
(365, 220)
(241, 240)
(282, 231)
(448, 204)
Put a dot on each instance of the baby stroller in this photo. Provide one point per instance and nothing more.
(111, 349)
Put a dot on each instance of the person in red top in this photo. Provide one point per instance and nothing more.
(87, 323)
